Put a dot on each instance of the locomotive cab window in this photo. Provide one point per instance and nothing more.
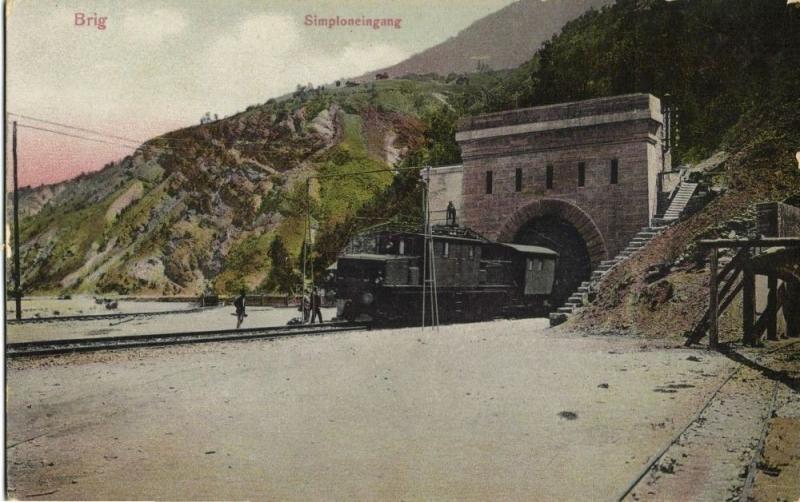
(581, 174)
(549, 180)
(488, 182)
(614, 176)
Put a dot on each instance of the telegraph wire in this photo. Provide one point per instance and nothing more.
(67, 126)
(27, 126)
(123, 138)
(95, 132)
(96, 140)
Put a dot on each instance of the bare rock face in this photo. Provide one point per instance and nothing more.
(392, 154)
(31, 200)
(325, 124)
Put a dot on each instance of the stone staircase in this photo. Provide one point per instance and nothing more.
(679, 202)
(580, 296)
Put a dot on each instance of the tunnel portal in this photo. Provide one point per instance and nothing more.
(574, 264)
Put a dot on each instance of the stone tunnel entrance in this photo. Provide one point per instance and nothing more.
(574, 264)
(565, 228)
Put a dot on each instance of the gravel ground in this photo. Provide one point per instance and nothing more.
(213, 318)
(500, 410)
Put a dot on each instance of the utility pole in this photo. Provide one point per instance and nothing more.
(17, 288)
(306, 232)
(425, 244)
(429, 257)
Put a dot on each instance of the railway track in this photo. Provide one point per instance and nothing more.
(699, 418)
(55, 347)
(101, 317)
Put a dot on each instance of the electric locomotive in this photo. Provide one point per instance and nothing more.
(383, 272)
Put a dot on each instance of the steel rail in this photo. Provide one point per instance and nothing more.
(55, 347)
(758, 455)
(655, 458)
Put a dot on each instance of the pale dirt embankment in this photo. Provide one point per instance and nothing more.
(214, 318)
(471, 412)
(51, 306)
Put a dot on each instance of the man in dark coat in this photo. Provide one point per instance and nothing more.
(316, 303)
(239, 303)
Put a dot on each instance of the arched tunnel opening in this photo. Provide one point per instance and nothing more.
(574, 264)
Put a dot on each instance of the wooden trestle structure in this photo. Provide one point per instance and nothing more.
(777, 257)
(739, 275)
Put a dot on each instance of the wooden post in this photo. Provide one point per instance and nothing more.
(713, 305)
(17, 275)
(772, 307)
(748, 301)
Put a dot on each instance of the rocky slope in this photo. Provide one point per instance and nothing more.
(196, 209)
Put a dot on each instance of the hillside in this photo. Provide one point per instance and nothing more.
(196, 209)
(502, 40)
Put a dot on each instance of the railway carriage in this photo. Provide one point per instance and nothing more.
(381, 275)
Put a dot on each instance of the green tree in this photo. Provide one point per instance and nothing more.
(282, 276)
(441, 136)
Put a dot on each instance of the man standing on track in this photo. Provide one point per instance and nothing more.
(316, 303)
(239, 303)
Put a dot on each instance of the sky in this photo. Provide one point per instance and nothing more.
(160, 65)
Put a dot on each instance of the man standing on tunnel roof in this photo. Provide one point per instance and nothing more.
(451, 214)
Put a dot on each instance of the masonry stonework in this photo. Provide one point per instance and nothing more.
(444, 187)
(625, 130)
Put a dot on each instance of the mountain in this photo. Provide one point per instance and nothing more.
(502, 40)
(199, 208)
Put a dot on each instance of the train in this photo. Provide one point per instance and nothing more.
(382, 273)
